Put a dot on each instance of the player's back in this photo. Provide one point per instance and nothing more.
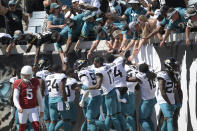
(108, 81)
(147, 86)
(131, 71)
(69, 91)
(43, 74)
(91, 80)
(53, 81)
(119, 72)
(169, 88)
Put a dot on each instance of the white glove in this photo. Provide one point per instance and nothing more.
(67, 105)
(81, 104)
(123, 100)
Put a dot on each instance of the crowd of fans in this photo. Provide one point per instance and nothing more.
(120, 23)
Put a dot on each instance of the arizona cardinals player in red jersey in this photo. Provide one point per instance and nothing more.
(27, 97)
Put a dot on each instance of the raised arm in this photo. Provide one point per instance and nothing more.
(3, 10)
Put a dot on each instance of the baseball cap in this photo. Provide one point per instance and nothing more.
(157, 13)
(133, 2)
(190, 12)
(54, 6)
(88, 15)
(75, 1)
(170, 13)
(17, 33)
(111, 3)
(116, 33)
(11, 2)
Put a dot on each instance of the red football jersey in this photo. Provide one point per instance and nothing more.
(28, 95)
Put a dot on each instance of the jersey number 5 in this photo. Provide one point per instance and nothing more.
(29, 94)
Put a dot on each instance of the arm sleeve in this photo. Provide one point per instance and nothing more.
(85, 80)
(85, 95)
(39, 99)
(16, 98)
(50, 18)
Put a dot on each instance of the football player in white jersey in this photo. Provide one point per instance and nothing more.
(167, 82)
(57, 97)
(131, 72)
(88, 78)
(71, 86)
(44, 70)
(119, 76)
(146, 79)
(104, 80)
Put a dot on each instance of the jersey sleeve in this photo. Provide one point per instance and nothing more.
(50, 17)
(12, 80)
(84, 80)
(16, 84)
(161, 75)
(98, 71)
(81, 74)
(39, 75)
(119, 60)
(141, 76)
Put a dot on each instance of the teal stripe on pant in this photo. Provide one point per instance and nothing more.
(168, 112)
(123, 111)
(111, 103)
(131, 110)
(145, 112)
(93, 111)
(46, 108)
(84, 109)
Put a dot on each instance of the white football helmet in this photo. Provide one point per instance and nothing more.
(26, 73)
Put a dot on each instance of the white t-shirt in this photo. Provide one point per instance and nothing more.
(119, 73)
(131, 72)
(147, 86)
(94, 3)
(5, 35)
(169, 87)
(116, 9)
(53, 81)
(108, 81)
(69, 91)
(88, 78)
(43, 74)
(192, 24)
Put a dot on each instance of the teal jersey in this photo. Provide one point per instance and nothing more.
(175, 24)
(56, 20)
(132, 15)
(87, 27)
(106, 37)
(68, 3)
